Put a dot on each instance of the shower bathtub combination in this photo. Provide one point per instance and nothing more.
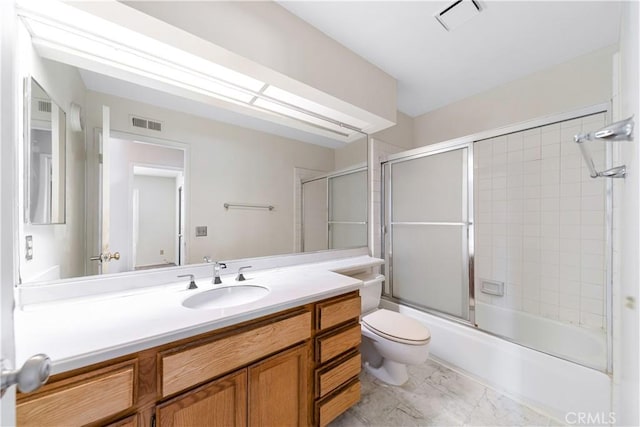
(501, 243)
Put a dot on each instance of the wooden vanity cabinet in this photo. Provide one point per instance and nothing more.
(220, 403)
(293, 368)
(337, 357)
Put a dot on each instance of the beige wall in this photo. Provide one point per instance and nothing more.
(58, 250)
(401, 135)
(581, 82)
(227, 164)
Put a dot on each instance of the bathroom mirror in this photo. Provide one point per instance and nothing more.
(220, 176)
(45, 157)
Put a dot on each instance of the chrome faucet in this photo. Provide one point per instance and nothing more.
(216, 269)
(240, 276)
(216, 272)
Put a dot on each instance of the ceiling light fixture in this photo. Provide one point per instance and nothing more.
(93, 39)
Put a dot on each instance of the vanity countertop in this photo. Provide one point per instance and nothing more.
(83, 331)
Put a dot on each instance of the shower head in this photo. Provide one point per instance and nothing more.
(618, 131)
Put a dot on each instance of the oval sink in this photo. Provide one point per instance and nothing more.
(226, 296)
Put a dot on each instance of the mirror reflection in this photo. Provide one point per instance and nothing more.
(46, 133)
(149, 182)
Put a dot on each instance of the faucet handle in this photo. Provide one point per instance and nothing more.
(206, 259)
(192, 282)
(240, 276)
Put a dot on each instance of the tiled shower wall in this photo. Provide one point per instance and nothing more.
(540, 223)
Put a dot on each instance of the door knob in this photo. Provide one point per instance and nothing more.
(33, 374)
(106, 257)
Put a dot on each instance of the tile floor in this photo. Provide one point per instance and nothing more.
(436, 396)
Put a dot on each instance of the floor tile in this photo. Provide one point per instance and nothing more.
(436, 396)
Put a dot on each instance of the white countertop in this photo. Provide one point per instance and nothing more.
(79, 332)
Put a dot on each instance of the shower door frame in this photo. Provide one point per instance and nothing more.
(387, 229)
(605, 108)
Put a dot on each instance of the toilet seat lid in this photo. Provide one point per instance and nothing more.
(396, 326)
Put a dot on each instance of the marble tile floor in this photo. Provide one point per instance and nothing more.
(436, 396)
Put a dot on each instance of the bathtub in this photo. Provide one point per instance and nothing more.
(587, 347)
(551, 385)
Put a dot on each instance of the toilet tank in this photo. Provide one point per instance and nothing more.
(370, 291)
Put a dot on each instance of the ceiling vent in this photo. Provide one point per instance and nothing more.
(457, 13)
(143, 123)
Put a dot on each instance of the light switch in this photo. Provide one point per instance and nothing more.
(28, 242)
(201, 231)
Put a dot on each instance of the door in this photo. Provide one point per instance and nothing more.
(428, 235)
(278, 390)
(99, 177)
(37, 370)
(220, 403)
(105, 193)
(8, 135)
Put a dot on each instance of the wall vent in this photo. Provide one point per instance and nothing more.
(44, 106)
(143, 123)
(154, 125)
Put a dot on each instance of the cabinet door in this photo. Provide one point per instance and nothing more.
(220, 403)
(278, 389)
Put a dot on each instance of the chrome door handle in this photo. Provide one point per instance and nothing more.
(33, 374)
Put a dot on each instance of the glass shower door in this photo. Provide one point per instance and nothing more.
(348, 210)
(428, 231)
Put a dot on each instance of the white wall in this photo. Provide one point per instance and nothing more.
(574, 84)
(58, 249)
(626, 334)
(227, 164)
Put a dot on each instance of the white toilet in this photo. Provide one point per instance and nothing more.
(390, 340)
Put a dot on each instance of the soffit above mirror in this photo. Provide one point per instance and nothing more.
(127, 45)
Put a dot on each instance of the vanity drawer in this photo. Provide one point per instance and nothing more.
(328, 409)
(81, 401)
(334, 312)
(334, 344)
(182, 369)
(336, 374)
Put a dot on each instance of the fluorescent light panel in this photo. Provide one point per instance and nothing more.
(294, 114)
(314, 107)
(110, 44)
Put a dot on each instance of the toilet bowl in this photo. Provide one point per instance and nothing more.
(390, 340)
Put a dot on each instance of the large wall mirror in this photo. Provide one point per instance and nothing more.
(155, 181)
(45, 156)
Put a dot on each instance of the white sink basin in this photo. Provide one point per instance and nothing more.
(226, 296)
